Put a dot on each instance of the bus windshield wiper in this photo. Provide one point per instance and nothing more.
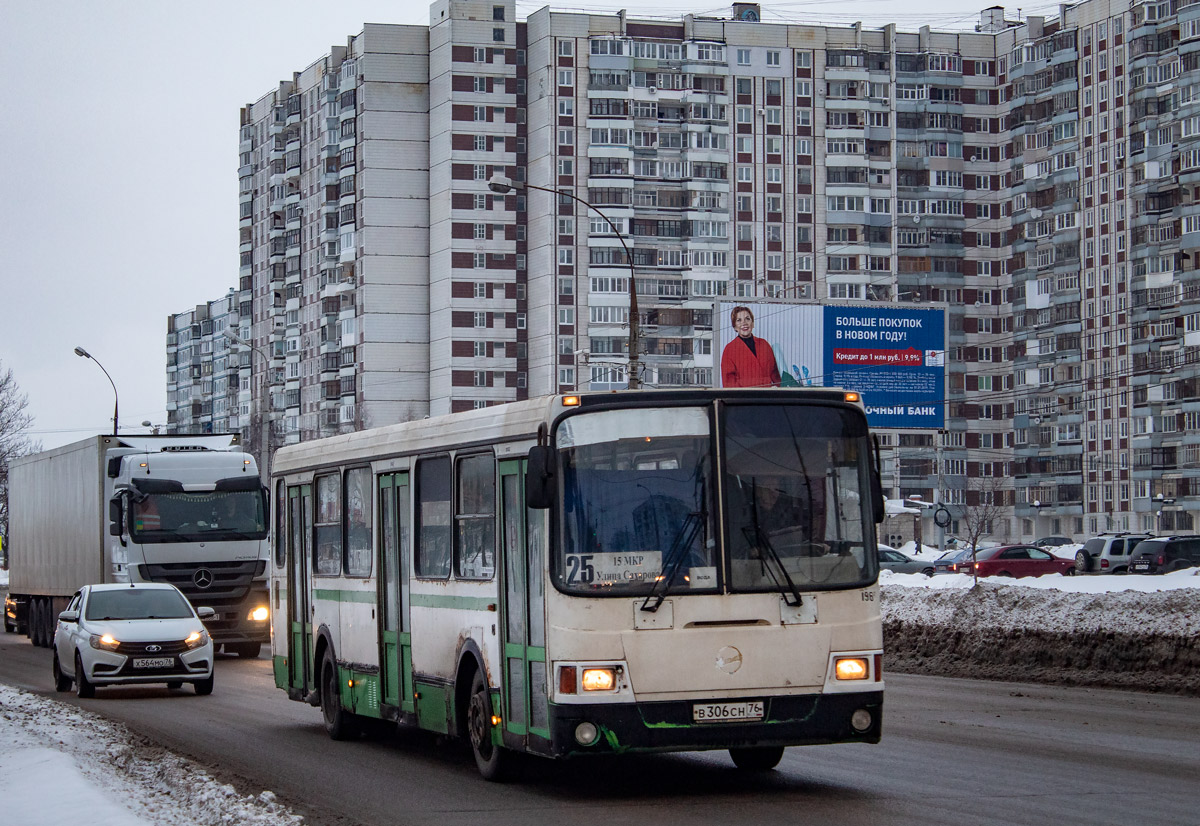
(679, 545)
(758, 538)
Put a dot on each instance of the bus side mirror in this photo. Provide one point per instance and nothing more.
(116, 522)
(877, 498)
(539, 478)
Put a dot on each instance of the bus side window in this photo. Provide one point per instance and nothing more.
(475, 518)
(433, 518)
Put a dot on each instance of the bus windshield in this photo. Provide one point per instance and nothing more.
(208, 516)
(796, 482)
(636, 501)
(639, 501)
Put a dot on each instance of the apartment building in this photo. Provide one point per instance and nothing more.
(1036, 176)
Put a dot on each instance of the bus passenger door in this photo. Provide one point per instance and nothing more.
(300, 677)
(524, 538)
(395, 642)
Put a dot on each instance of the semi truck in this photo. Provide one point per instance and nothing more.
(188, 510)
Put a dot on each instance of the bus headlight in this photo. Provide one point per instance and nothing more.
(260, 614)
(851, 668)
(599, 679)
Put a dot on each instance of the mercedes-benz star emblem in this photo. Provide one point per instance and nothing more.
(203, 578)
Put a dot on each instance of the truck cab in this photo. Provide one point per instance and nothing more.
(198, 519)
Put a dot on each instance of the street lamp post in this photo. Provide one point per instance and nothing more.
(264, 431)
(502, 186)
(82, 353)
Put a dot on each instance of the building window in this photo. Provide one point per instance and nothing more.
(743, 57)
(772, 57)
(498, 35)
(566, 48)
(498, 13)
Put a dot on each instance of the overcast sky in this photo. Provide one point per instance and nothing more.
(118, 204)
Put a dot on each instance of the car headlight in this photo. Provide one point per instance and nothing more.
(104, 642)
(260, 614)
(196, 639)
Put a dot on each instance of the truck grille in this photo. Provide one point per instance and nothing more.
(222, 586)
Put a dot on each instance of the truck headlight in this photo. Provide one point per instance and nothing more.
(260, 614)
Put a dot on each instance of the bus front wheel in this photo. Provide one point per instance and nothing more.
(757, 760)
(489, 758)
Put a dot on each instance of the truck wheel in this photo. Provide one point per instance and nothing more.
(61, 681)
(339, 723)
(83, 687)
(490, 759)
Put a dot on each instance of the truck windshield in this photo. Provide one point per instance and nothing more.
(636, 502)
(796, 484)
(208, 516)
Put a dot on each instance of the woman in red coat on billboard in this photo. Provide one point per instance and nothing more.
(747, 361)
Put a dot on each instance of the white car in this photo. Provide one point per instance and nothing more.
(132, 633)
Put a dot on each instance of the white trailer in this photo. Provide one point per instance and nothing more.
(189, 510)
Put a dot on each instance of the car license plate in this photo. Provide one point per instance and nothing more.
(153, 662)
(727, 712)
(1139, 566)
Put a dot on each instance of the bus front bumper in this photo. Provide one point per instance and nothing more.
(802, 720)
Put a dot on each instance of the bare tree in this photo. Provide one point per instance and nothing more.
(985, 505)
(15, 422)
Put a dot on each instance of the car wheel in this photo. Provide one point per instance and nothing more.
(757, 760)
(339, 723)
(61, 681)
(1083, 562)
(1070, 572)
(205, 687)
(1005, 574)
(927, 571)
(245, 650)
(83, 686)
(489, 758)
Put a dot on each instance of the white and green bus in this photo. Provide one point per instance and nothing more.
(591, 574)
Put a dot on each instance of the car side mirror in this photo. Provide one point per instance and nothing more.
(206, 613)
(69, 616)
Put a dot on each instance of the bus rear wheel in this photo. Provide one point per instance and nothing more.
(339, 723)
(489, 758)
(757, 760)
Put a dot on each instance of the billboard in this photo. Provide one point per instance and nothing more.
(894, 356)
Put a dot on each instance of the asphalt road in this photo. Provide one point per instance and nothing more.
(956, 752)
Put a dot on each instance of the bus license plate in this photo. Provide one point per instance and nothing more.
(153, 662)
(727, 712)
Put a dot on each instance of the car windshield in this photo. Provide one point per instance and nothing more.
(136, 603)
(195, 516)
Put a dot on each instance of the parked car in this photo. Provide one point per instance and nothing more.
(1020, 561)
(1161, 554)
(1107, 553)
(1054, 541)
(132, 633)
(902, 563)
(957, 561)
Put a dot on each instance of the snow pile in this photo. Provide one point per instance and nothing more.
(62, 764)
(1137, 632)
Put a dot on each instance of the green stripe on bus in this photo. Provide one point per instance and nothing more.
(444, 601)
(334, 595)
